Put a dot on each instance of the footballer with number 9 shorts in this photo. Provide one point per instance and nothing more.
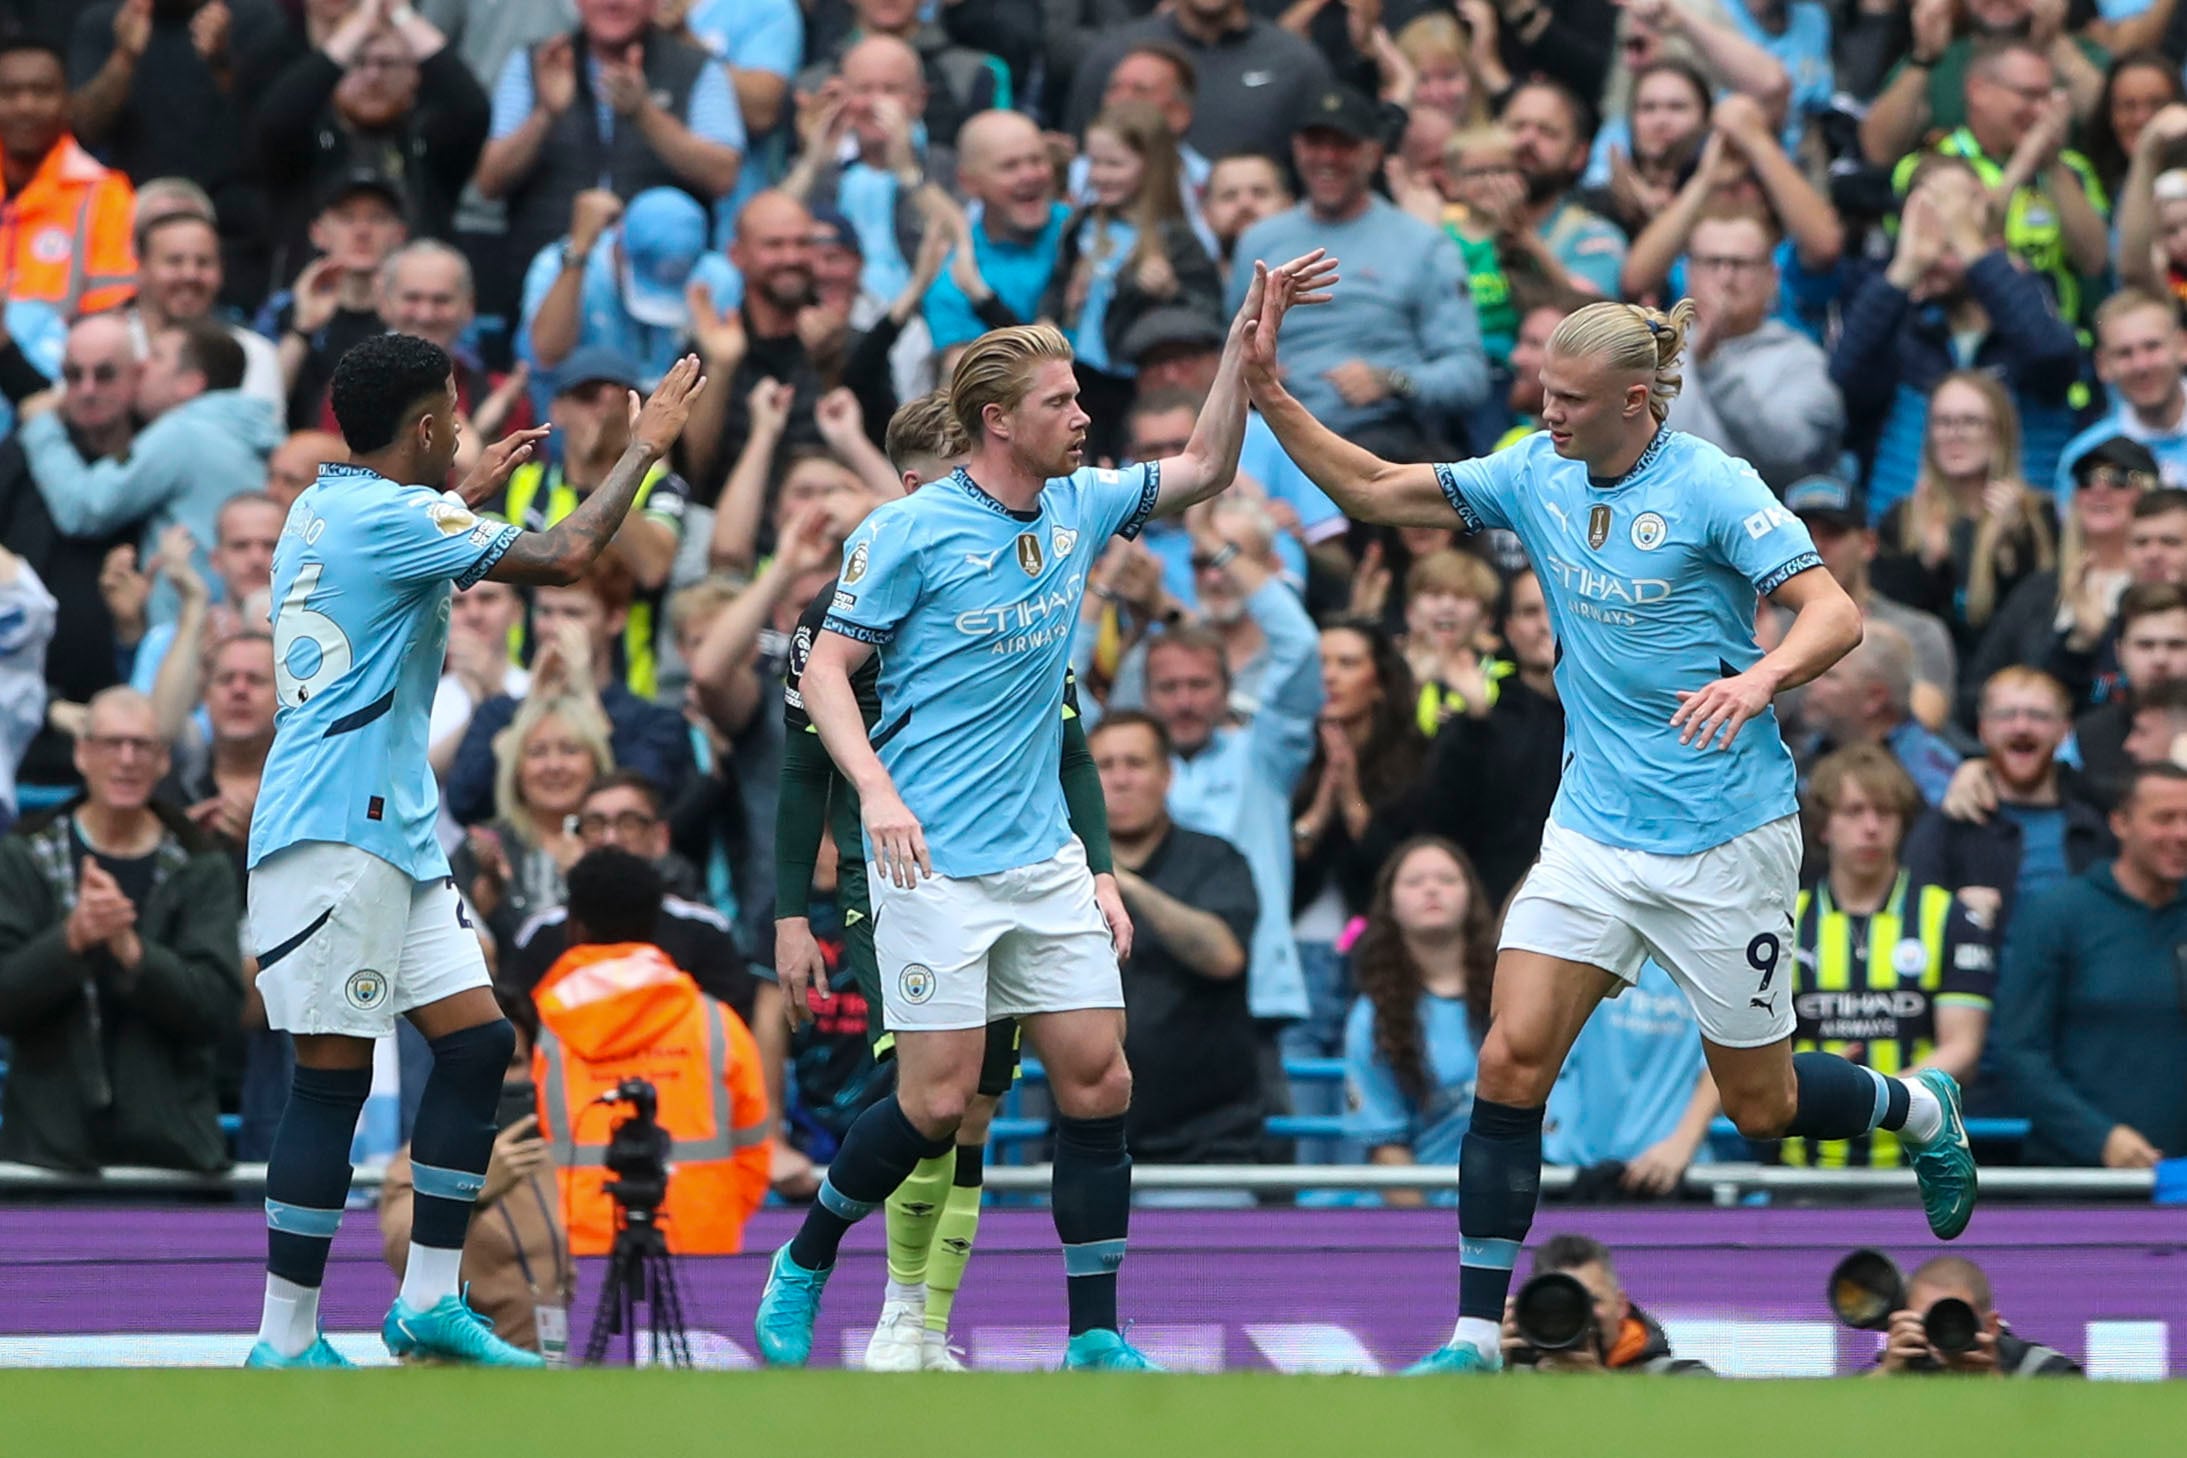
(969, 590)
(1674, 835)
(351, 907)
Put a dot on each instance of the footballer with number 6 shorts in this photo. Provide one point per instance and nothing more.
(353, 913)
(1674, 834)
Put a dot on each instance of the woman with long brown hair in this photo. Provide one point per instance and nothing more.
(1973, 528)
(1424, 967)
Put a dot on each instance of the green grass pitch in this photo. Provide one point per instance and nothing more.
(651, 1414)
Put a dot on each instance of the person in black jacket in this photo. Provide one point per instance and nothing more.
(1626, 1339)
(1494, 769)
(2015, 822)
(387, 93)
(1997, 1352)
(1129, 251)
(119, 966)
(2152, 644)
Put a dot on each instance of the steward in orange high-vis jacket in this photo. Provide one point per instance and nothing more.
(623, 1010)
(65, 220)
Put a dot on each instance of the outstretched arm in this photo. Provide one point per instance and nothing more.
(1367, 487)
(1209, 461)
(565, 551)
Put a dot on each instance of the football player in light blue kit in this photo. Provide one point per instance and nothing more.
(352, 911)
(983, 907)
(1673, 835)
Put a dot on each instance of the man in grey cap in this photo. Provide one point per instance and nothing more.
(1396, 362)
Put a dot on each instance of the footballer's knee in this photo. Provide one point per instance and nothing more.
(1515, 1069)
(1097, 1093)
(935, 1110)
(1761, 1110)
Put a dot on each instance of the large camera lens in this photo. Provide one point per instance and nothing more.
(1554, 1312)
(1864, 1290)
(1951, 1326)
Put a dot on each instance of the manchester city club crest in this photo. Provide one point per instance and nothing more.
(1029, 554)
(1649, 531)
(1598, 527)
(365, 990)
(916, 982)
(1060, 542)
(855, 568)
(1909, 958)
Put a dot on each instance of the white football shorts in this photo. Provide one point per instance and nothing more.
(347, 942)
(1719, 921)
(960, 952)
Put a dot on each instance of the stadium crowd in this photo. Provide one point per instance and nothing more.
(1939, 253)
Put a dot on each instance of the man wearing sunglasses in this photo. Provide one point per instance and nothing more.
(2140, 353)
(100, 618)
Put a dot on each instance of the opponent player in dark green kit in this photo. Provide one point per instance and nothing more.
(935, 1213)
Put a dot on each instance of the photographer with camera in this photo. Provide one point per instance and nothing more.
(516, 1255)
(1573, 1315)
(622, 1025)
(1945, 1320)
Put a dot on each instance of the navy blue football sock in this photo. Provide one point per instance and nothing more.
(1839, 1099)
(881, 1148)
(1499, 1180)
(454, 1134)
(1092, 1198)
(307, 1171)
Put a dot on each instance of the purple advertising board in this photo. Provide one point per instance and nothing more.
(1295, 1290)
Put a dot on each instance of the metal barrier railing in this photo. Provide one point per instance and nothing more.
(1727, 1184)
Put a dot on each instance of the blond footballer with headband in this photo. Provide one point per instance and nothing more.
(1674, 834)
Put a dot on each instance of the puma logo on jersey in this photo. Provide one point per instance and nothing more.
(984, 561)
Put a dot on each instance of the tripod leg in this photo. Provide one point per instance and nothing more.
(668, 1313)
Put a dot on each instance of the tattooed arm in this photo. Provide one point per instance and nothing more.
(565, 551)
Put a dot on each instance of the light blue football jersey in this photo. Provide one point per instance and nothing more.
(1650, 582)
(362, 575)
(972, 608)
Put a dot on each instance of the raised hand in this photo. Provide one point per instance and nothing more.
(317, 295)
(769, 403)
(660, 420)
(808, 541)
(592, 213)
(720, 337)
(209, 33)
(840, 420)
(1306, 279)
(133, 28)
(499, 461)
(554, 75)
(125, 590)
(622, 82)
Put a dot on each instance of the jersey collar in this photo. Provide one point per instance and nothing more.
(962, 480)
(1654, 448)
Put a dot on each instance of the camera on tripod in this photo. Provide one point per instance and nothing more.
(640, 1270)
(637, 1151)
(1866, 1288)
